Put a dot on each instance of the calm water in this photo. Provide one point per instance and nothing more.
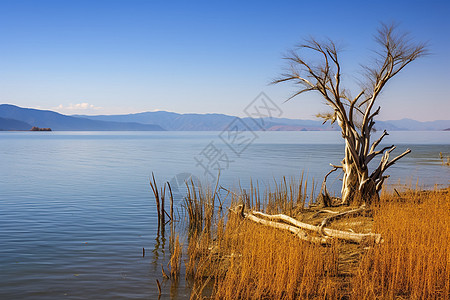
(76, 208)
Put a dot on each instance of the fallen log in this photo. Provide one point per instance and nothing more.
(360, 238)
(295, 230)
(301, 229)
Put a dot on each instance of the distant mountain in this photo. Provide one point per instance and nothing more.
(173, 121)
(56, 121)
(162, 120)
(218, 122)
(383, 125)
(210, 122)
(11, 124)
(409, 124)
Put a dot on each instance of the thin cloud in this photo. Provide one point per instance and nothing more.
(77, 108)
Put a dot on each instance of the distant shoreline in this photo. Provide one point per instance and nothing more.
(13, 117)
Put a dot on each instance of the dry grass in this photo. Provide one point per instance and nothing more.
(265, 263)
(445, 160)
(414, 261)
(244, 260)
(175, 259)
(199, 204)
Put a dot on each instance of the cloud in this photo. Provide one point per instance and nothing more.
(78, 107)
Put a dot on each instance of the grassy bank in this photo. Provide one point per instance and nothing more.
(232, 258)
(414, 260)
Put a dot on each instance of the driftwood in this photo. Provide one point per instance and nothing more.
(302, 230)
(302, 234)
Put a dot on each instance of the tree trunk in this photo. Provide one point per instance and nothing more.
(349, 182)
(357, 185)
(351, 178)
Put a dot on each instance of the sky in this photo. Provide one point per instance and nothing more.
(128, 56)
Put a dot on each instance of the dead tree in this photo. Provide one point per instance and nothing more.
(354, 115)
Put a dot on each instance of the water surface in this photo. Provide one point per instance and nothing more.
(76, 209)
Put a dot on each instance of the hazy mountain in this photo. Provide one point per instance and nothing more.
(11, 124)
(409, 124)
(56, 121)
(210, 122)
(218, 122)
(162, 120)
(173, 121)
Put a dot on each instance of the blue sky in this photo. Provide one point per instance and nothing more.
(110, 57)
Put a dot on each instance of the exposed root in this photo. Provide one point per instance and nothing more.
(327, 220)
(324, 211)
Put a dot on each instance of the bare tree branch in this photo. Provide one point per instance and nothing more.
(373, 154)
(375, 144)
(407, 151)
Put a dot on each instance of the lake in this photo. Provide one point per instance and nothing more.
(76, 208)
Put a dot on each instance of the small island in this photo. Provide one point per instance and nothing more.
(35, 128)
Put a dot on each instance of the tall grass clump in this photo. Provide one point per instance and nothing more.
(414, 260)
(199, 204)
(288, 196)
(444, 160)
(175, 259)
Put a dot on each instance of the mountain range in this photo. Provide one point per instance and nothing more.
(210, 122)
(17, 118)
